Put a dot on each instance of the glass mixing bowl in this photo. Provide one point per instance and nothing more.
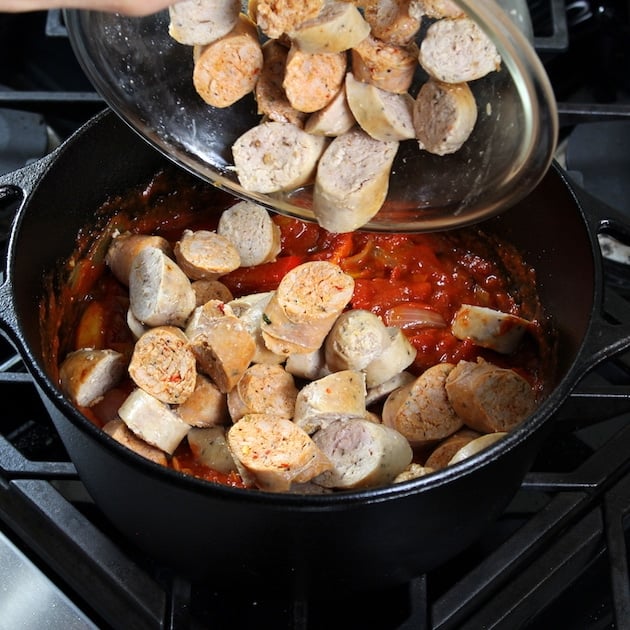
(145, 76)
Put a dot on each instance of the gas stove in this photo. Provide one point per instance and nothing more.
(556, 558)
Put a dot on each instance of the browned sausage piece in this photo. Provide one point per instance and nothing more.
(202, 21)
(153, 421)
(221, 343)
(352, 180)
(86, 374)
(392, 21)
(276, 17)
(206, 406)
(312, 80)
(270, 96)
(263, 388)
(207, 289)
(206, 254)
(274, 452)
(489, 398)
(384, 65)
(444, 116)
(121, 433)
(227, 69)
(457, 50)
(421, 411)
(163, 364)
(124, 248)
(304, 308)
(159, 291)
(441, 455)
(364, 454)
(435, 9)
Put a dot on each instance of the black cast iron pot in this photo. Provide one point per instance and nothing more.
(250, 539)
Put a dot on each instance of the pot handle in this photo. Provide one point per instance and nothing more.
(607, 337)
(15, 188)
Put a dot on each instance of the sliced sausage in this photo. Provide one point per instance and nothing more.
(489, 398)
(227, 69)
(332, 120)
(475, 446)
(206, 406)
(275, 452)
(87, 374)
(397, 356)
(203, 254)
(391, 21)
(117, 429)
(159, 291)
(163, 364)
(352, 180)
(356, 338)
(153, 421)
(444, 115)
(442, 454)
(489, 328)
(275, 156)
(413, 471)
(209, 447)
(382, 390)
(276, 17)
(312, 80)
(252, 231)
(363, 454)
(263, 388)
(456, 50)
(304, 307)
(221, 343)
(337, 27)
(340, 395)
(435, 9)
(422, 411)
(202, 21)
(307, 365)
(386, 66)
(384, 115)
(124, 248)
(207, 289)
(270, 96)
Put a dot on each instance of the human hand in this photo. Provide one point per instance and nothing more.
(127, 7)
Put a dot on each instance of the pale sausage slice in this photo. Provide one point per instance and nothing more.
(386, 66)
(444, 115)
(209, 447)
(422, 411)
(304, 307)
(356, 338)
(163, 364)
(475, 446)
(206, 406)
(333, 119)
(252, 231)
(206, 254)
(207, 289)
(489, 398)
(227, 69)
(312, 80)
(275, 452)
(456, 50)
(352, 180)
(124, 248)
(384, 115)
(87, 374)
(202, 21)
(364, 454)
(117, 429)
(159, 291)
(435, 9)
(397, 356)
(413, 471)
(339, 395)
(270, 96)
(489, 328)
(221, 343)
(263, 388)
(276, 17)
(339, 26)
(442, 454)
(153, 421)
(276, 156)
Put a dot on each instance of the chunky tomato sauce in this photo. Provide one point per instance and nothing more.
(413, 281)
